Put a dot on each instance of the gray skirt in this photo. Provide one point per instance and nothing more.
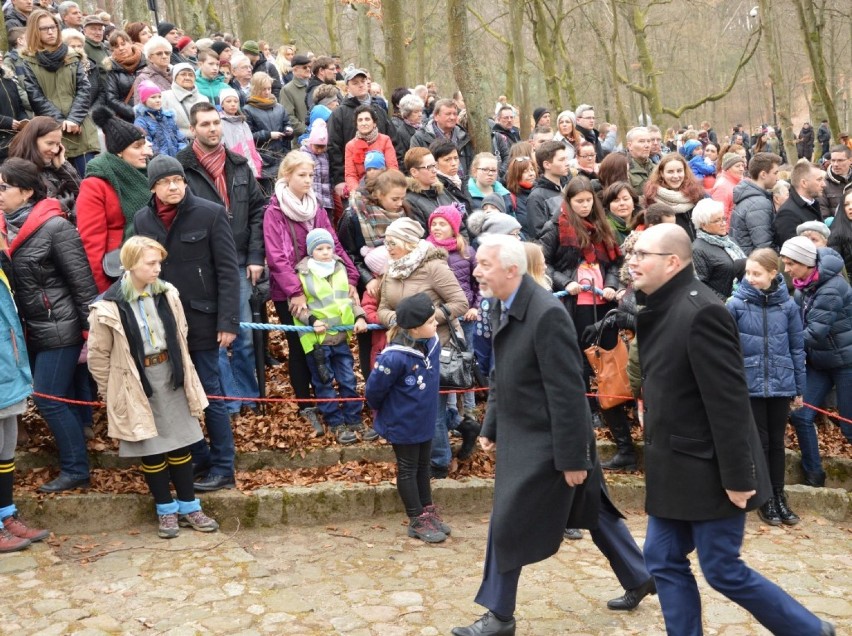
(176, 426)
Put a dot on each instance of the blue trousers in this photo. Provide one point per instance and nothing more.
(498, 591)
(718, 542)
(237, 371)
(338, 360)
(218, 456)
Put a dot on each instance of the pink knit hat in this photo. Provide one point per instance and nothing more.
(319, 133)
(146, 90)
(377, 260)
(450, 214)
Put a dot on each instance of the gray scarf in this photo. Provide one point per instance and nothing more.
(725, 242)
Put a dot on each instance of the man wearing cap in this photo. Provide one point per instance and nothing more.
(202, 264)
(341, 124)
(259, 64)
(294, 94)
(70, 15)
(808, 183)
(838, 180)
(96, 49)
(216, 174)
(183, 96)
(754, 211)
(171, 33)
(704, 463)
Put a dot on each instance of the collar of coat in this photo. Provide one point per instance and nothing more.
(518, 310)
(417, 188)
(664, 295)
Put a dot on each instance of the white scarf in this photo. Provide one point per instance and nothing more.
(323, 269)
(674, 198)
(297, 210)
(456, 180)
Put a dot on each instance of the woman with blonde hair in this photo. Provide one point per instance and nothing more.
(567, 133)
(270, 126)
(294, 211)
(138, 355)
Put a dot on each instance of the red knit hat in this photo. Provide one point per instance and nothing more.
(183, 42)
(450, 214)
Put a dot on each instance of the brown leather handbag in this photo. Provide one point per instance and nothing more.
(610, 367)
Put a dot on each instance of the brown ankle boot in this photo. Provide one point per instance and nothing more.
(11, 543)
(17, 528)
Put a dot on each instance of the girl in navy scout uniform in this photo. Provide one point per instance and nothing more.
(403, 389)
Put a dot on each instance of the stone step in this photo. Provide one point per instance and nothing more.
(334, 502)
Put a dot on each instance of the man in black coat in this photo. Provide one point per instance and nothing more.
(538, 420)
(808, 183)
(202, 264)
(238, 191)
(704, 464)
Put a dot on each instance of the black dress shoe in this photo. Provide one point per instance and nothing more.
(64, 482)
(487, 625)
(815, 480)
(631, 598)
(214, 482)
(199, 472)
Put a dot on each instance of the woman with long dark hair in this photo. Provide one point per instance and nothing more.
(841, 231)
(121, 68)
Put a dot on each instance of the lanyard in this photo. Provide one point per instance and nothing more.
(148, 333)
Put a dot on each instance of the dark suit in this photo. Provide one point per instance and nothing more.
(701, 439)
(539, 417)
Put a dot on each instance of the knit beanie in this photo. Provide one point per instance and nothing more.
(164, 28)
(689, 147)
(227, 92)
(319, 133)
(250, 46)
(413, 311)
(377, 260)
(146, 90)
(219, 46)
(406, 230)
(496, 200)
(375, 160)
(800, 249)
(181, 45)
(730, 160)
(538, 113)
(496, 223)
(183, 66)
(163, 166)
(813, 226)
(316, 237)
(118, 134)
(450, 214)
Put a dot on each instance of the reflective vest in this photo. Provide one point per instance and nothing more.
(328, 300)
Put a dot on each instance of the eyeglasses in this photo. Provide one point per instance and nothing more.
(391, 244)
(432, 167)
(592, 156)
(48, 29)
(6, 186)
(716, 221)
(159, 53)
(640, 255)
(174, 181)
(488, 170)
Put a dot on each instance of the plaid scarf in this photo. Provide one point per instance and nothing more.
(595, 251)
(214, 163)
(373, 219)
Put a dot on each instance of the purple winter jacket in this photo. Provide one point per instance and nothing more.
(462, 268)
(283, 281)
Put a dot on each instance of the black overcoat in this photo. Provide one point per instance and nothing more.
(700, 435)
(539, 417)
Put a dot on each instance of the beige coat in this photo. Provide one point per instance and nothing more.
(129, 414)
(436, 279)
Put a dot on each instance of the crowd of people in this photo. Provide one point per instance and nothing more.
(141, 167)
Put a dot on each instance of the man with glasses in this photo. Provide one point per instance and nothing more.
(838, 180)
(324, 71)
(586, 126)
(503, 137)
(203, 267)
(704, 463)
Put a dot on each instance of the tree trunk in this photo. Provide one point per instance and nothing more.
(466, 65)
(331, 26)
(249, 21)
(393, 29)
(365, 37)
(194, 17)
(776, 76)
(286, 34)
(211, 19)
(546, 54)
(811, 30)
(136, 11)
(420, 36)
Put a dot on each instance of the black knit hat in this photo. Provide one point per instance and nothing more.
(163, 166)
(219, 46)
(118, 133)
(413, 311)
(538, 113)
(164, 28)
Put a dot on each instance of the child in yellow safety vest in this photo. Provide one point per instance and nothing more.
(326, 288)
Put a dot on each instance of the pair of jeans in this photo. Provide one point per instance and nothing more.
(339, 361)
(468, 399)
(54, 373)
(218, 456)
(819, 384)
(442, 452)
(237, 370)
(79, 162)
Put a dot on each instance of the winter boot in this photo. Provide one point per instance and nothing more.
(768, 513)
(625, 457)
(425, 529)
(788, 517)
(469, 429)
(432, 510)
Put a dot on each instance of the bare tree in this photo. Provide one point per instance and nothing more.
(466, 72)
(393, 29)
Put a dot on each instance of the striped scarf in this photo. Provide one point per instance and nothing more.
(213, 163)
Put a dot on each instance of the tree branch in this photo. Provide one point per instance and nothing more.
(484, 25)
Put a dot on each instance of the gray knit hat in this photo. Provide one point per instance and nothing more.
(496, 223)
(813, 226)
(496, 200)
(163, 166)
(800, 249)
(406, 230)
(730, 160)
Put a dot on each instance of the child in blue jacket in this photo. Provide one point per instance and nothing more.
(403, 389)
(160, 125)
(694, 153)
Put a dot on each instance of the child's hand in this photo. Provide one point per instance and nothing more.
(472, 314)
(320, 327)
(360, 325)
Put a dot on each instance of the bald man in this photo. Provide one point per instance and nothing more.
(704, 465)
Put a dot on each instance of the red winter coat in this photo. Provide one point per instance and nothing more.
(100, 222)
(370, 305)
(357, 149)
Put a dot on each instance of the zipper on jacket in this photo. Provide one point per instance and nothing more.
(47, 304)
(765, 351)
(203, 284)
(14, 345)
